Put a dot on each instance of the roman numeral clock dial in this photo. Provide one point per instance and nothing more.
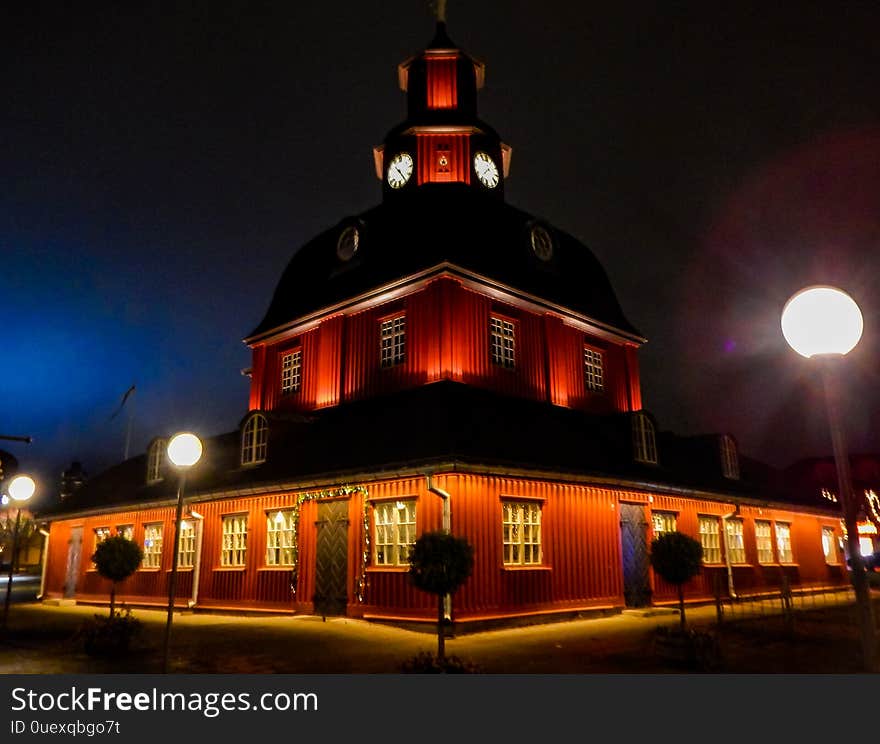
(399, 170)
(486, 170)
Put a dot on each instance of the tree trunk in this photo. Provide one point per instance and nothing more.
(112, 598)
(441, 631)
(681, 604)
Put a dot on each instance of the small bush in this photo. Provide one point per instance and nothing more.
(109, 635)
(428, 663)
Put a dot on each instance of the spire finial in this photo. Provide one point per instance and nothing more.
(439, 7)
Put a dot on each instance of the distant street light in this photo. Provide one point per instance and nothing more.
(184, 451)
(20, 489)
(825, 322)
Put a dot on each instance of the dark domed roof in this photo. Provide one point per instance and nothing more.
(437, 224)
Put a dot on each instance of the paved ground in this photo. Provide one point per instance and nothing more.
(40, 639)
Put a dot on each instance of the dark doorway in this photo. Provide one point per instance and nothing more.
(74, 552)
(634, 542)
(331, 560)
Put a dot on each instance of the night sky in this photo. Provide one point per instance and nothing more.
(160, 167)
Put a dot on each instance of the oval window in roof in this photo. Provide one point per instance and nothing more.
(347, 245)
(542, 242)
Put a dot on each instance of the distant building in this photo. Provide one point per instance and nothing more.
(445, 361)
(72, 479)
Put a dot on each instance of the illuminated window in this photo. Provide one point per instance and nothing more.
(644, 441)
(866, 546)
(783, 542)
(764, 541)
(186, 550)
(394, 533)
(729, 459)
(710, 539)
(291, 372)
(663, 522)
(280, 534)
(736, 549)
(502, 342)
(594, 377)
(101, 534)
(155, 460)
(234, 548)
(521, 528)
(126, 531)
(152, 545)
(254, 440)
(392, 336)
(829, 545)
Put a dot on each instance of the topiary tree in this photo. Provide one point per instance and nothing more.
(440, 563)
(117, 558)
(677, 558)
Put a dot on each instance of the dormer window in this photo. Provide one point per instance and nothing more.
(729, 458)
(254, 440)
(502, 342)
(644, 440)
(291, 371)
(392, 340)
(155, 460)
(594, 372)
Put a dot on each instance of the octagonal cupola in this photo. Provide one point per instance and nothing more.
(442, 141)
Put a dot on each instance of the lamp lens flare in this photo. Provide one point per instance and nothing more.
(22, 487)
(822, 320)
(184, 450)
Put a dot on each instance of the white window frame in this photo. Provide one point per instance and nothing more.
(829, 546)
(291, 371)
(764, 541)
(234, 539)
(729, 458)
(736, 546)
(101, 534)
(254, 440)
(186, 548)
(153, 534)
(644, 439)
(783, 542)
(710, 538)
(394, 531)
(392, 341)
(502, 342)
(663, 522)
(155, 460)
(125, 530)
(521, 538)
(594, 370)
(280, 537)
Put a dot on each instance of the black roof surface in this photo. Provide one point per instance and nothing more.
(457, 424)
(440, 223)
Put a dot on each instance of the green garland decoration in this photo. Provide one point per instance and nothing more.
(330, 494)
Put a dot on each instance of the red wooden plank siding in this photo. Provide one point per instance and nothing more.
(454, 147)
(441, 82)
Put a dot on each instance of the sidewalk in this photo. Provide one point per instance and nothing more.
(39, 641)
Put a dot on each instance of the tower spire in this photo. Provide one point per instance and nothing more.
(439, 10)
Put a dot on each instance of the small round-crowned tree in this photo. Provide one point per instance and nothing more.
(440, 563)
(677, 558)
(117, 558)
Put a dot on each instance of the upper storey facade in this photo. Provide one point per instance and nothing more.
(444, 280)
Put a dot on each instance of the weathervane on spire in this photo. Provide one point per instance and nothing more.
(439, 8)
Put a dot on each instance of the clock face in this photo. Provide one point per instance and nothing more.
(399, 170)
(486, 170)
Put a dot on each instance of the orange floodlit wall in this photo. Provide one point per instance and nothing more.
(443, 158)
(441, 82)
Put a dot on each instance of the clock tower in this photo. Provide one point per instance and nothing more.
(442, 141)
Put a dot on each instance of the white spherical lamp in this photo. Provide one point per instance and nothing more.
(822, 320)
(21, 488)
(184, 450)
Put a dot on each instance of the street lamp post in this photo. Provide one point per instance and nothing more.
(20, 489)
(826, 323)
(184, 451)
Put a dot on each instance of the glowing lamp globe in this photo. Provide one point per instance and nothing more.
(184, 450)
(21, 488)
(822, 320)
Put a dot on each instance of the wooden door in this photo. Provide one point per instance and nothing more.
(74, 553)
(331, 559)
(634, 544)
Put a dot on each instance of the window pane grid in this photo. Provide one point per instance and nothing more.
(594, 377)
(291, 372)
(392, 335)
(186, 552)
(736, 549)
(764, 542)
(828, 546)
(280, 527)
(254, 440)
(152, 545)
(783, 542)
(644, 441)
(663, 522)
(154, 461)
(234, 549)
(126, 531)
(710, 539)
(394, 532)
(521, 532)
(502, 340)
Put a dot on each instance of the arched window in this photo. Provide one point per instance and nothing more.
(254, 440)
(644, 441)
(155, 460)
(729, 458)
